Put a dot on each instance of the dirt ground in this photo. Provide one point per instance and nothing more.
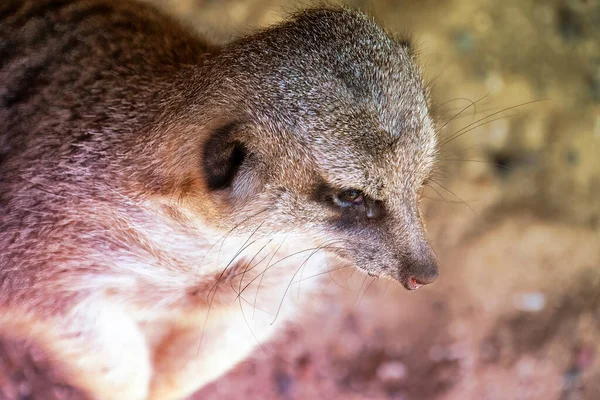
(514, 216)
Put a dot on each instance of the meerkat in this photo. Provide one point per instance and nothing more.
(161, 197)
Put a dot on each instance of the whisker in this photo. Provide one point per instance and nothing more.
(438, 106)
(455, 135)
(333, 279)
(462, 131)
(328, 246)
(479, 110)
(215, 286)
(259, 262)
(454, 194)
(324, 246)
(262, 275)
(224, 237)
(432, 81)
(360, 289)
(439, 194)
(386, 288)
(366, 290)
(329, 271)
(473, 103)
(245, 245)
(210, 302)
(291, 280)
(289, 256)
(240, 298)
(248, 324)
(447, 201)
(475, 161)
(248, 266)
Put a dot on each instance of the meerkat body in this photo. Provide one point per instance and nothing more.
(162, 199)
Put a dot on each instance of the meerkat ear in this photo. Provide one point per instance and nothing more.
(223, 156)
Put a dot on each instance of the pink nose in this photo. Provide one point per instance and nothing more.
(415, 283)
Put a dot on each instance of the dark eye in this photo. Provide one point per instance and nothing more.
(350, 197)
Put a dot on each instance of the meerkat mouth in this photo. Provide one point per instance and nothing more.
(411, 284)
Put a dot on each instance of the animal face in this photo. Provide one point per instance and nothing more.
(331, 135)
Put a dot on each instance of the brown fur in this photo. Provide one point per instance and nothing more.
(161, 197)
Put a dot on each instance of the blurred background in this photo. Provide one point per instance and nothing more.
(514, 215)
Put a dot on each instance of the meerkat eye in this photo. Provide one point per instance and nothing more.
(350, 197)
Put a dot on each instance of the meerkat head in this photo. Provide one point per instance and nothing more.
(323, 122)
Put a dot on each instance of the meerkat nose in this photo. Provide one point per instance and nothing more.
(421, 273)
(417, 282)
(419, 263)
